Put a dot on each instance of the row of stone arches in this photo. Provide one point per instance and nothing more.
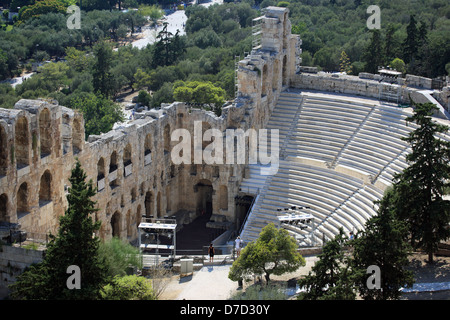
(23, 197)
(153, 207)
(24, 139)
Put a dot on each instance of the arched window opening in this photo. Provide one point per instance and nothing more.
(22, 199)
(22, 141)
(77, 136)
(45, 190)
(45, 132)
(148, 149)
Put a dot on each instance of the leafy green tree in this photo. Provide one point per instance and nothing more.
(118, 256)
(399, 65)
(77, 59)
(383, 243)
(41, 7)
(142, 80)
(274, 252)
(424, 183)
(99, 113)
(154, 12)
(200, 92)
(128, 288)
(331, 277)
(73, 245)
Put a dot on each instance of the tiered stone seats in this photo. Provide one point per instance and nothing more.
(340, 154)
(323, 190)
(281, 119)
(377, 144)
(324, 127)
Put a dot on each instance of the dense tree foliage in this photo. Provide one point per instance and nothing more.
(421, 187)
(383, 243)
(73, 245)
(413, 39)
(407, 28)
(274, 252)
(331, 278)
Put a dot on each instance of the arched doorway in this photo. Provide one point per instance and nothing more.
(204, 197)
(22, 141)
(148, 204)
(115, 224)
(22, 199)
(45, 188)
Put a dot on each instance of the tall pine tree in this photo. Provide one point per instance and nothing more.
(75, 244)
(331, 277)
(373, 55)
(411, 43)
(383, 243)
(423, 184)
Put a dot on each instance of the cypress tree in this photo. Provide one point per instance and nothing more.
(384, 244)
(373, 55)
(332, 276)
(411, 43)
(423, 184)
(75, 244)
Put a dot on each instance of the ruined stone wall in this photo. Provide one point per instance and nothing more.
(131, 165)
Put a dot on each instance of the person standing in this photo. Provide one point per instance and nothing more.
(211, 253)
(238, 246)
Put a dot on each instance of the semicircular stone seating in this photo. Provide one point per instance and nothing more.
(337, 156)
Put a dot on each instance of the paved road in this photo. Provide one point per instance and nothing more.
(175, 20)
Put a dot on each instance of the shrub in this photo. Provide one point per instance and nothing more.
(128, 288)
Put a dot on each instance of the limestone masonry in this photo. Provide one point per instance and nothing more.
(131, 165)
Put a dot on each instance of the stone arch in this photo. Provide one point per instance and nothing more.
(22, 142)
(148, 203)
(66, 136)
(128, 221)
(138, 216)
(284, 74)
(22, 198)
(205, 126)
(223, 195)
(167, 139)
(113, 172)
(264, 80)
(3, 151)
(275, 75)
(45, 187)
(148, 144)
(158, 205)
(115, 224)
(45, 132)
(127, 155)
(113, 162)
(3, 207)
(100, 169)
(204, 197)
(77, 136)
(127, 161)
(133, 194)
